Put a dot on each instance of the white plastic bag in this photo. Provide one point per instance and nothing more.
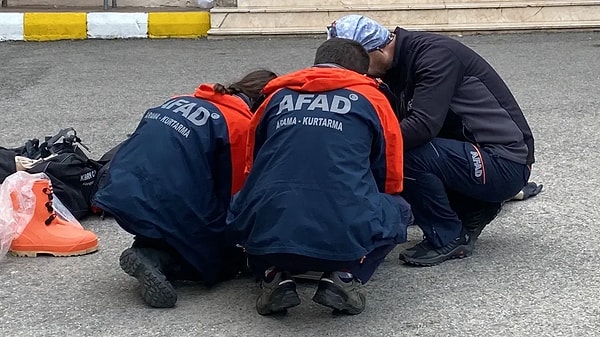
(13, 222)
(17, 206)
(206, 4)
(62, 211)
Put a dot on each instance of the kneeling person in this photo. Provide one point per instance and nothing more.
(171, 182)
(325, 168)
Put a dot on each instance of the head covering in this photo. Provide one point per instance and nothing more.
(366, 31)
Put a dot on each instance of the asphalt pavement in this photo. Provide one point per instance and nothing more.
(534, 271)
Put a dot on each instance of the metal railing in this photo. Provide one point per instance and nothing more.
(104, 5)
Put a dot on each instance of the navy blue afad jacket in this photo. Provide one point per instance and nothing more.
(445, 89)
(173, 178)
(323, 150)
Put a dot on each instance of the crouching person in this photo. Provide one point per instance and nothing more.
(170, 185)
(325, 167)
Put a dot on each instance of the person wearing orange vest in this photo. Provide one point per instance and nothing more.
(325, 170)
(170, 184)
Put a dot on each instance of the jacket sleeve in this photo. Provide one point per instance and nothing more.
(387, 149)
(438, 72)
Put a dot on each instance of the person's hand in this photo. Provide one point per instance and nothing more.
(530, 190)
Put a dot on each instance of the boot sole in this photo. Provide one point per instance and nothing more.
(25, 253)
(335, 301)
(279, 301)
(157, 291)
(454, 254)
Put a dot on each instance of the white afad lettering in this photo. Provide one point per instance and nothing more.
(319, 102)
(477, 164)
(340, 105)
(327, 103)
(201, 112)
(303, 99)
(286, 104)
(198, 115)
(177, 102)
(185, 109)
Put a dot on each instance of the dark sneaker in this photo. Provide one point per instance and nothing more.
(278, 294)
(342, 296)
(474, 221)
(145, 265)
(425, 254)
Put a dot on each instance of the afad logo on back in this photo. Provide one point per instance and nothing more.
(198, 115)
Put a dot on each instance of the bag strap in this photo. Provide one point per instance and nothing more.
(62, 133)
(69, 136)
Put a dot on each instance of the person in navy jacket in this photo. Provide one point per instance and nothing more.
(325, 170)
(170, 184)
(468, 145)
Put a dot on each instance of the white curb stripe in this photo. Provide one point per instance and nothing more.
(11, 26)
(117, 25)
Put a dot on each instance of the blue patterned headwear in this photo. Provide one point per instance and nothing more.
(361, 29)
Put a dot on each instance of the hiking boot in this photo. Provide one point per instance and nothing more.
(146, 264)
(340, 293)
(425, 254)
(278, 293)
(475, 220)
(48, 233)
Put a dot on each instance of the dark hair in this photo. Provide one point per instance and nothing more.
(343, 52)
(250, 85)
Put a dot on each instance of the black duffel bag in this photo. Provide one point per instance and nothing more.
(70, 170)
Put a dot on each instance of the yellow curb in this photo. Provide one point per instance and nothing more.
(178, 24)
(54, 26)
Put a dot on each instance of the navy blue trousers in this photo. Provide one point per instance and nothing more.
(362, 269)
(445, 166)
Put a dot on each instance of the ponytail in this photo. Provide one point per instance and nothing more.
(249, 88)
(221, 89)
(250, 85)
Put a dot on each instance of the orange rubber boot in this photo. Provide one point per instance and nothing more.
(49, 234)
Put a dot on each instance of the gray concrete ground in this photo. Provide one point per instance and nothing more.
(534, 271)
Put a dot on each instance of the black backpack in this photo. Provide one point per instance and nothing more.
(72, 173)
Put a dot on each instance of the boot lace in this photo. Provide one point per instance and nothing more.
(49, 207)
